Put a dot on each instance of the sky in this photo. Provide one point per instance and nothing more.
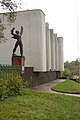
(63, 17)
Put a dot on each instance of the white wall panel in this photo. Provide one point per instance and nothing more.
(49, 51)
(47, 46)
(52, 50)
(61, 59)
(56, 53)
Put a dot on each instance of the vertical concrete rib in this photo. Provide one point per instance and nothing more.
(47, 46)
(61, 59)
(56, 53)
(52, 50)
(49, 67)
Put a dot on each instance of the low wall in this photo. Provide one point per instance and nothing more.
(38, 78)
(10, 69)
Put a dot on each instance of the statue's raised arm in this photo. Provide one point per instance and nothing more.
(12, 31)
(21, 30)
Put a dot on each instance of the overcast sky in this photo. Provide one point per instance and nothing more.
(63, 16)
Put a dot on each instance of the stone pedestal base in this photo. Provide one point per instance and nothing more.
(20, 61)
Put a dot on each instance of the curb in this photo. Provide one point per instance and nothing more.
(66, 92)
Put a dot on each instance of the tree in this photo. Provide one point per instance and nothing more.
(8, 4)
(11, 6)
(71, 69)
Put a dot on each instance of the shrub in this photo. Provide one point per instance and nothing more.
(14, 85)
(3, 88)
(11, 85)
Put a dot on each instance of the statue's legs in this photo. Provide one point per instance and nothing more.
(16, 45)
(21, 48)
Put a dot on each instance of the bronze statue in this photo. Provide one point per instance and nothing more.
(17, 36)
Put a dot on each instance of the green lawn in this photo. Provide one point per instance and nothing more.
(67, 86)
(40, 106)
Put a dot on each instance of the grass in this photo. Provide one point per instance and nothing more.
(67, 86)
(40, 106)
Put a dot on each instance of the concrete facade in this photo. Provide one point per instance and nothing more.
(43, 50)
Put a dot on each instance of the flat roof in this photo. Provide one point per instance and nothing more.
(23, 11)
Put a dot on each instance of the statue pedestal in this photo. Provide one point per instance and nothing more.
(19, 60)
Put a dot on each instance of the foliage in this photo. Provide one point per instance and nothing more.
(66, 73)
(11, 84)
(71, 69)
(8, 4)
(40, 106)
(67, 86)
(11, 17)
(2, 38)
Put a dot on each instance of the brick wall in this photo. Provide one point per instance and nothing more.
(38, 78)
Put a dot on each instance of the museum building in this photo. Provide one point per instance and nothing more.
(42, 48)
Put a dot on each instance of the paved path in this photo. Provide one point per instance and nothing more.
(47, 87)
